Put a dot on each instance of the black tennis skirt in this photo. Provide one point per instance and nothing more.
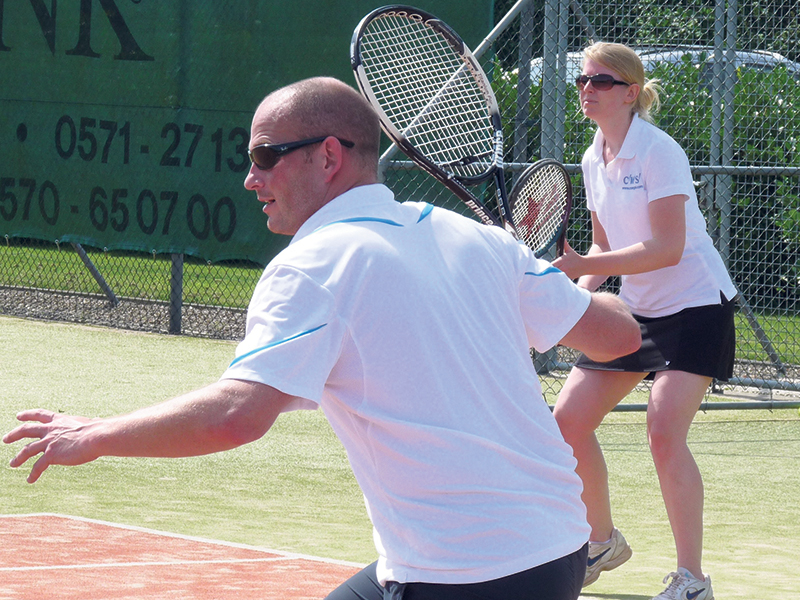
(700, 340)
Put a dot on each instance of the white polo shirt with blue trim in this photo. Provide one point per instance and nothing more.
(411, 327)
(650, 166)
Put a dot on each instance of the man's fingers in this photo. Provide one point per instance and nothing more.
(36, 414)
(31, 449)
(25, 431)
(56, 443)
(38, 468)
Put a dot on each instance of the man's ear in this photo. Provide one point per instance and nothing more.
(332, 156)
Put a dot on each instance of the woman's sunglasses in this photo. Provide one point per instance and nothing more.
(602, 82)
(266, 156)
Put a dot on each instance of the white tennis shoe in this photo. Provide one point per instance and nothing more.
(685, 586)
(604, 556)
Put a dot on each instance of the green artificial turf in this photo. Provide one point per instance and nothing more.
(293, 490)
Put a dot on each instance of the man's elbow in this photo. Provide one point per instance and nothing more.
(620, 344)
(250, 410)
(629, 340)
(619, 335)
(626, 338)
(607, 330)
(237, 432)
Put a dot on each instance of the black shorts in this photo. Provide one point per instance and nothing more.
(560, 579)
(699, 340)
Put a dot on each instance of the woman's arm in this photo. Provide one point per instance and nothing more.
(663, 249)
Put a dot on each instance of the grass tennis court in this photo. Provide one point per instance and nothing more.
(292, 491)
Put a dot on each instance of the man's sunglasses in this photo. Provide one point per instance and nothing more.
(602, 82)
(266, 156)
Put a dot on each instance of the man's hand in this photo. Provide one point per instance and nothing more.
(60, 439)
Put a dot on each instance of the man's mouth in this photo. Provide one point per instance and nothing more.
(267, 203)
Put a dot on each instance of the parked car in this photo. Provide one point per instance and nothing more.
(761, 60)
(758, 60)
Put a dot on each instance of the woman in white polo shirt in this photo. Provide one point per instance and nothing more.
(648, 229)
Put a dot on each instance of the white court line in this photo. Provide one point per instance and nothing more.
(169, 563)
(281, 555)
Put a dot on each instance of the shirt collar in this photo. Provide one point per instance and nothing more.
(628, 149)
(359, 201)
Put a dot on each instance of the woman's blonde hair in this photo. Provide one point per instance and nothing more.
(624, 61)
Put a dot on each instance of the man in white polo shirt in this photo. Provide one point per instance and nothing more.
(410, 326)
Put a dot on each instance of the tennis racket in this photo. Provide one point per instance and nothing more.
(434, 102)
(541, 201)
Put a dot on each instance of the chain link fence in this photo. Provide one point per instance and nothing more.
(729, 72)
(130, 290)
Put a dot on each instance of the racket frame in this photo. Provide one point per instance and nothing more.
(455, 183)
(560, 235)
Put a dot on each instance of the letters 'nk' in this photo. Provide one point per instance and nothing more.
(129, 48)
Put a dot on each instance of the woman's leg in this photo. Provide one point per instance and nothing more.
(586, 398)
(674, 400)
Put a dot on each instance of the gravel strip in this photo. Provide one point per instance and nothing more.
(131, 313)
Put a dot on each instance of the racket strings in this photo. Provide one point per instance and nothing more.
(540, 207)
(429, 93)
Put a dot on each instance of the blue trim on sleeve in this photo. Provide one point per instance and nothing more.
(547, 271)
(425, 212)
(273, 344)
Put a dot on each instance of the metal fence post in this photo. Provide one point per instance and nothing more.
(176, 293)
(525, 53)
(96, 274)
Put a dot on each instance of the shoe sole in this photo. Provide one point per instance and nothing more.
(608, 566)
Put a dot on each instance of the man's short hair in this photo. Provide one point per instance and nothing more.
(327, 106)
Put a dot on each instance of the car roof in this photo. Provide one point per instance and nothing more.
(652, 56)
(748, 58)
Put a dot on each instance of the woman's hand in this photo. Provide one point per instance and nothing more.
(570, 263)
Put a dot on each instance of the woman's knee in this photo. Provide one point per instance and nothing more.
(588, 396)
(666, 441)
(572, 422)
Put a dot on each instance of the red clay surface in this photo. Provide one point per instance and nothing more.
(57, 557)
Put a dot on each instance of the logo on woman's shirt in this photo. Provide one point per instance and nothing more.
(632, 182)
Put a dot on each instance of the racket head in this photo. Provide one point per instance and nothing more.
(431, 95)
(540, 203)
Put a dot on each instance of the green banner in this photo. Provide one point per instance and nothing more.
(124, 124)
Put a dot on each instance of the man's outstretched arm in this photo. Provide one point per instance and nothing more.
(221, 416)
